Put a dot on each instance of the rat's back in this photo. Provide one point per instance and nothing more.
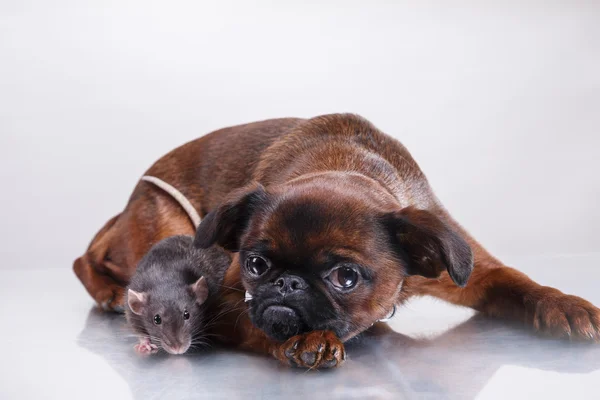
(175, 260)
(166, 261)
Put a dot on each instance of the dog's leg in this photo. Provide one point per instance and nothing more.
(108, 294)
(499, 291)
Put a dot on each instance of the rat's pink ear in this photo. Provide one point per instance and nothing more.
(200, 289)
(136, 301)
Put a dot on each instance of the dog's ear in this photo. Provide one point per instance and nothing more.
(429, 246)
(226, 224)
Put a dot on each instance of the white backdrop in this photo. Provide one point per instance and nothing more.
(500, 104)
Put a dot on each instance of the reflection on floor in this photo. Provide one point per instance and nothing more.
(429, 350)
(383, 364)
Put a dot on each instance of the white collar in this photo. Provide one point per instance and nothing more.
(178, 196)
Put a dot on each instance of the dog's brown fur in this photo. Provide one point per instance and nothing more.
(204, 170)
(277, 152)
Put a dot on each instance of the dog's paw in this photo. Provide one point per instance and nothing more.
(317, 349)
(559, 315)
(145, 347)
(111, 299)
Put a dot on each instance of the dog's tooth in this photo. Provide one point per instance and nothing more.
(247, 297)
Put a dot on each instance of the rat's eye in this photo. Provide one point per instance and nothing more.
(257, 265)
(343, 277)
(157, 319)
(186, 314)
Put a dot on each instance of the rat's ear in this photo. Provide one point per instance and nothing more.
(226, 224)
(429, 245)
(137, 301)
(200, 289)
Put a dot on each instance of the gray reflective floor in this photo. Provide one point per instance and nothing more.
(57, 345)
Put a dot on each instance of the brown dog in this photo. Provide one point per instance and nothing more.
(333, 224)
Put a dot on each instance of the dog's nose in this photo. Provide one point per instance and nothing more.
(290, 283)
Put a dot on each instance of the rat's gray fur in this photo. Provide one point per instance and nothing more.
(165, 275)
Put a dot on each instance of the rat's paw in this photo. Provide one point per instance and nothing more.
(317, 349)
(563, 316)
(145, 347)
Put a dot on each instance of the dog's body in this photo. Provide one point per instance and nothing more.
(335, 224)
(205, 171)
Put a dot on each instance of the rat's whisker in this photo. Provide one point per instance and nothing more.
(239, 316)
(232, 288)
(227, 310)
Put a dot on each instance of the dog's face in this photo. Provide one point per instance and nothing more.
(311, 261)
(329, 254)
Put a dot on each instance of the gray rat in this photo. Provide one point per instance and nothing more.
(168, 296)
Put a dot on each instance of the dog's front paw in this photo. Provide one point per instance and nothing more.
(559, 315)
(317, 349)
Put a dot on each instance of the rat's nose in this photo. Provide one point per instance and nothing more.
(175, 348)
(290, 283)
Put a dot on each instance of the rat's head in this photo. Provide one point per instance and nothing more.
(330, 252)
(171, 317)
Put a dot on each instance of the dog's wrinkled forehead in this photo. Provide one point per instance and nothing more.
(310, 223)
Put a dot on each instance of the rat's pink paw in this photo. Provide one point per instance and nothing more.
(144, 347)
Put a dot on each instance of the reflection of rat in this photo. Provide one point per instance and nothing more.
(168, 296)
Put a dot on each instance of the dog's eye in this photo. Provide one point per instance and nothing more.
(344, 277)
(256, 265)
(186, 314)
(157, 319)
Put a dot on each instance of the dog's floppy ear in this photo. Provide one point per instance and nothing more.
(227, 222)
(429, 246)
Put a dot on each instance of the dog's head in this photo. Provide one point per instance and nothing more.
(329, 252)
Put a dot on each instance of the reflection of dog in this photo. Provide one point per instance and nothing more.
(334, 223)
(384, 364)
